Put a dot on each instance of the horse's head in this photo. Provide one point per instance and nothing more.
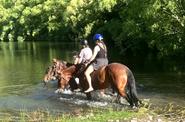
(66, 75)
(49, 74)
(52, 71)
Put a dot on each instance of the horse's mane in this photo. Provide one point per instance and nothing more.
(80, 69)
(48, 69)
(69, 64)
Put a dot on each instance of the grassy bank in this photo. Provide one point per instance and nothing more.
(169, 113)
(90, 115)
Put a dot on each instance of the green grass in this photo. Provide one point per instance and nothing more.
(90, 115)
(97, 115)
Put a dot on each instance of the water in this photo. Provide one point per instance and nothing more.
(22, 67)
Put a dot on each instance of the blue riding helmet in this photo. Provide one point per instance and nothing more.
(97, 37)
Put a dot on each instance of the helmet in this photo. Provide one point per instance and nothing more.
(84, 42)
(97, 37)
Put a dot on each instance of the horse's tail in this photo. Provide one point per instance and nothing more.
(131, 90)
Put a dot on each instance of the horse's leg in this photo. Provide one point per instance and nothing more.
(88, 95)
(58, 83)
(118, 99)
(114, 90)
(102, 92)
(121, 86)
(128, 98)
(132, 89)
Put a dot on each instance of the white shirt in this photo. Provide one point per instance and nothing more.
(85, 54)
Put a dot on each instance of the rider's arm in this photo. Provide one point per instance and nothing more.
(95, 52)
(76, 58)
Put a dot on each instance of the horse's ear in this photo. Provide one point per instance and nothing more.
(54, 60)
(64, 62)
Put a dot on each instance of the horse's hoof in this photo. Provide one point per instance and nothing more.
(58, 91)
(67, 92)
(77, 90)
(134, 107)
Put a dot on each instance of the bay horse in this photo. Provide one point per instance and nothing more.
(116, 75)
(52, 72)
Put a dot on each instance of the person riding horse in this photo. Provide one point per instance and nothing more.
(99, 59)
(85, 53)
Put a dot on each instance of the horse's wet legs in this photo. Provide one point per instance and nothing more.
(128, 98)
(118, 99)
(88, 95)
(102, 92)
(121, 93)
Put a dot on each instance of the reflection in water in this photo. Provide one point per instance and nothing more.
(23, 63)
(22, 67)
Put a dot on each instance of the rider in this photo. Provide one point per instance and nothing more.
(100, 57)
(85, 53)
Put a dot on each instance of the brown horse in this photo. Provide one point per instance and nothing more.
(116, 75)
(52, 71)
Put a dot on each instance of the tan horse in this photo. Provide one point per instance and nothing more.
(52, 71)
(116, 75)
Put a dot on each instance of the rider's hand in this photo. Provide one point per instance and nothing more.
(87, 62)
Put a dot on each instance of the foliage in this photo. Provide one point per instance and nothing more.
(131, 25)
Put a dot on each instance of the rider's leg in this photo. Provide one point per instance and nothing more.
(88, 71)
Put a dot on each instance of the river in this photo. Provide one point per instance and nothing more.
(23, 64)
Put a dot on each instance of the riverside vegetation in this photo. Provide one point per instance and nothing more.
(133, 26)
(147, 113)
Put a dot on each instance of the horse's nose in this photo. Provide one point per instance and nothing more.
(53, 78)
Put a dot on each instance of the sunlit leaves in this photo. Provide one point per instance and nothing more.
(158, 23)
(154, 27)
(35, 32)
(88, 29)
(22, 20)
(20, 39)
(27, 11)
(172, 6)
(36, 10)
(157, 5)
(107, 4)
(169, 27)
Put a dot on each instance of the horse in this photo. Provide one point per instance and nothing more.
(52, 72)
(116, 75)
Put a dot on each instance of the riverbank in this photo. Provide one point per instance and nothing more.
(147, 113)
(79, 115)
